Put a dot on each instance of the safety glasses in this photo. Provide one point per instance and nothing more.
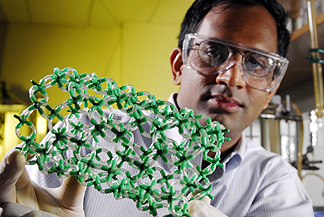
(209, 56)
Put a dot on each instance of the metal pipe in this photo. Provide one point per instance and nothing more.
(316, 67)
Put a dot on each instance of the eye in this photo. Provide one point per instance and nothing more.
(257, 64)
(213, 53)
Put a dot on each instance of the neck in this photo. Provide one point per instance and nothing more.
(228, 150)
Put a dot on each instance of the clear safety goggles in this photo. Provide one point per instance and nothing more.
(261, 70)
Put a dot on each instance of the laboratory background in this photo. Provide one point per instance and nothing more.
(131, 40)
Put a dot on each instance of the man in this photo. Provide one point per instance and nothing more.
(226, 68)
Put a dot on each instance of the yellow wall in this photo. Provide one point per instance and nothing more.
(134, 53)
(145, 59)
(8, 138)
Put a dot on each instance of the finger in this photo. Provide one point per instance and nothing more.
(25, 188)
(36, 213)
(71, 194)
(14, 209)
(73, 188)
(11, 168)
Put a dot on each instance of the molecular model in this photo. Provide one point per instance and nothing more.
(101, 151)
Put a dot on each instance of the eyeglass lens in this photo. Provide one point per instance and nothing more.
(215, 54)
(214, 57)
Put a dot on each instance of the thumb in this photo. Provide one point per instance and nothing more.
(198, 208)
(11, 168)
(206, 200)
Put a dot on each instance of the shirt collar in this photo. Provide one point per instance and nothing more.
(172, 99)
(231, 162)
(240, 150)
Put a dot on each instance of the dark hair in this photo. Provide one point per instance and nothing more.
(200, 8)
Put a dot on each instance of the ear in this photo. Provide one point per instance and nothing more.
(269, 97)
(176, 65)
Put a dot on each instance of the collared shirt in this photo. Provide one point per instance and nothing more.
(254, 182)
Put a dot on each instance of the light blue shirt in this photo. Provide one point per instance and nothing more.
(254, 182)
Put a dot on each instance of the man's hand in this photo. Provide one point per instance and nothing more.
(19, 196)
(202, 208)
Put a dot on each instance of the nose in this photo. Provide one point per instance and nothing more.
(232, 75)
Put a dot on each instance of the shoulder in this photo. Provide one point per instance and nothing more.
(279, 191)
(267, 165)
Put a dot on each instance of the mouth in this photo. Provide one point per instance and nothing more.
(225, 104)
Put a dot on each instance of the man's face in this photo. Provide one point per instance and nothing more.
(226, 97)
